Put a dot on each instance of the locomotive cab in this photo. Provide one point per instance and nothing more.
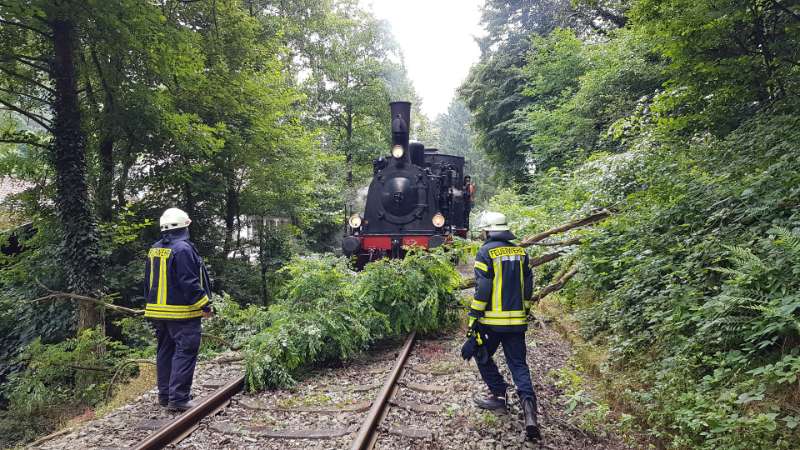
(416, 198)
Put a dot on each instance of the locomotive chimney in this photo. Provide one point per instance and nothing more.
(401, 122)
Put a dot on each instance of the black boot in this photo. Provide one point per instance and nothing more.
(531, 425)
(490, 401)
(182, 406)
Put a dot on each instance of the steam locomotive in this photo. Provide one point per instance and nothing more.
(417, 197)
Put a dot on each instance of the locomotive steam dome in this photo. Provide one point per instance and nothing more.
(398, 196)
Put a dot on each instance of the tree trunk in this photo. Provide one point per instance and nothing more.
(122, 180)
(231, 208)
(105, 182)
(80, 249)
(262, 258)
(349, 146)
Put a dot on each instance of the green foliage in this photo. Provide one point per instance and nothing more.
(328, 312)
(681, 125)
(57, 381)
(455, 136)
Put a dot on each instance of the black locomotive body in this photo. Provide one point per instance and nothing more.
(417, 197)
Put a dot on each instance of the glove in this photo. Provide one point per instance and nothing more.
(473, 347)
(470, 347)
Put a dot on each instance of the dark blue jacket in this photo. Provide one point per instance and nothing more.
(503, 284)
(176, 283)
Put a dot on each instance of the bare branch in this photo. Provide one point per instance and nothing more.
(221, 341)
(573, 241)
(546, 258)
(21, 94)
(23, 141)
(785, 9)
(55, 295)
(27, 27)
(27, 79)
(30, 64)
(467, 283)
(556, 286)
(594, 218)
(34, 117)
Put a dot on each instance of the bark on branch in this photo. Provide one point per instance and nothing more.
(556, 286)
(594, 218)
(54, 295)
(546, 258)
(566, 242)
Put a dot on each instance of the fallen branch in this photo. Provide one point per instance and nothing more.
(56, 295)
(546, 258)
(82, 298)
(50, 436)
(466, 283)
(91, 369)
(566, 242)
(558, 285)
(225, 360)
(594, 218)
(221, 341)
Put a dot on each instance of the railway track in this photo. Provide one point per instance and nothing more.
(367, 435)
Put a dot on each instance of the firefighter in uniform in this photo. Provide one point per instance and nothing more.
(177, 291)
(499, 312)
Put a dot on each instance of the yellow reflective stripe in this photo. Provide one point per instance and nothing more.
(172, 315)
(477, 304)
(504, 321)
(178, 308)
(497, 288)
(162, 281)
(481, 266)
(521, 280)
(496, 314)
(151, 274)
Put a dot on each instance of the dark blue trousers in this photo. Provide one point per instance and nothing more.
(514, 349)
(176, 357)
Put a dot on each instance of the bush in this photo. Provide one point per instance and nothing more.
(692, 283)
(58, 381)
(328, 312)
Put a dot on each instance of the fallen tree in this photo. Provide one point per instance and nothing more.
(537, 239)
(588, 220)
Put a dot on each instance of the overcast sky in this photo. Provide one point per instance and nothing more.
(436, 37)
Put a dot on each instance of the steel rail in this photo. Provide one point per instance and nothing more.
(365, 438)
(184, 423)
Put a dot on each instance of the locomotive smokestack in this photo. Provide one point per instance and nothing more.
(401, 122)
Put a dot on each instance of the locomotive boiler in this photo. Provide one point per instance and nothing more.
(417, 197)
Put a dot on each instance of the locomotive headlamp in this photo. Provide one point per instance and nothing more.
(355, 221)
(397, 151)
(438, 220)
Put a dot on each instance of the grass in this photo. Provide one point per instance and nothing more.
(606, 385)
(127, 392)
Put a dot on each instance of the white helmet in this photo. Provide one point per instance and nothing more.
(174, 218)
(493, 221)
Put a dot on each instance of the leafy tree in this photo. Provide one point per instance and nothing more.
(347, 88)
(455, 136)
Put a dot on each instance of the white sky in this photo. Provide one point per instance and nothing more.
(436, 37)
